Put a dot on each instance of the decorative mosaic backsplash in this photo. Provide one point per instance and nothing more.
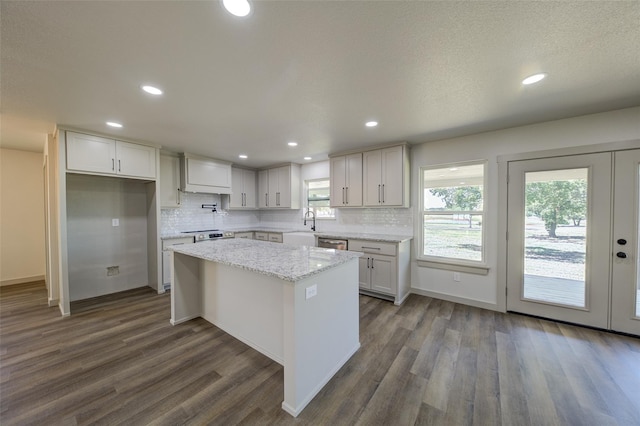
(191, 216)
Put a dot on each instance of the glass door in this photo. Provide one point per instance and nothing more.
(559, 215)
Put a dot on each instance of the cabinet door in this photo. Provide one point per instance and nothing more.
(237, 193)
(263, 189)
(372, 171)
(166, 267)
(91, 153)
(338, 179)
(353, 181)
(135, 160)
(284, 186)
(273, 188)
(249, 186)
(363, 272)
(169, 181)
(383, 274)
(392, 176)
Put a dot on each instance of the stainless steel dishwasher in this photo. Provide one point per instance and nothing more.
(333, 243)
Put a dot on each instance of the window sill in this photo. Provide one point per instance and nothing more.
(457, 267)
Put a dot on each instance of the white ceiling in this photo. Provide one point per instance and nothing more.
(308, 71)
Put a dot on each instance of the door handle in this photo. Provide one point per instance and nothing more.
(178, 196)
(343, 195)
(383, 192)
(372, 263)
(621, 255)
(266, 199)
(119, 168)
(378, 194)
(346, 190)
(113, 164)
(367, 263)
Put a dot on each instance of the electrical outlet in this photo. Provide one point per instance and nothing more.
(456, 277)
(115, 222)
(113, 270)
(311, 291)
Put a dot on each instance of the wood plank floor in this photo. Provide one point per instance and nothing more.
(117, 360)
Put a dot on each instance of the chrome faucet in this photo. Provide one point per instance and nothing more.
(313, 216)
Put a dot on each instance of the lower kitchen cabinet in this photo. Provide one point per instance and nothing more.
(166, 257)
(274, 237)
(384, 270)
(244, 235)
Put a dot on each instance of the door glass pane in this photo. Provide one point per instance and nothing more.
(555, 236)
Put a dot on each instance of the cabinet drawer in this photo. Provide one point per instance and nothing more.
(262, 236)
(376, 247)
(275, 238)
(176, 241)
(245, 235)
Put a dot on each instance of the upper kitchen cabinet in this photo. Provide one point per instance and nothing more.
(205, 175)
(95, 154)
(169, 181)
(243, 185)
(386, 177)
(346, 181)
(279, 187)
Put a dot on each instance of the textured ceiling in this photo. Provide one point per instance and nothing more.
(308, 71)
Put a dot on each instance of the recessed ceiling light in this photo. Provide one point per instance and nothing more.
(243, 156)
(453, 169)
(371, 123)
(533, 78)
(152, 90)
(292, 143)
(307, 158)
(237, 7)
(114, 124)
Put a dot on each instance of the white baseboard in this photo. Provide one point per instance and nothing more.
(22, 280)
(457, 299)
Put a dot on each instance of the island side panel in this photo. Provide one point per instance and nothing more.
(321, 333)
(185, 288)
(245, 304)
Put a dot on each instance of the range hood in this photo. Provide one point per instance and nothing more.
(204, 175)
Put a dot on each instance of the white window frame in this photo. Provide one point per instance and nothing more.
(306, 199)
(450, 263)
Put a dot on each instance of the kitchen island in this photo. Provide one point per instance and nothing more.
(296, 305)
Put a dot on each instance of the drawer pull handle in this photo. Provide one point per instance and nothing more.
(371, 248)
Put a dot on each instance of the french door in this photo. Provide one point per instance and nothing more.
(573, 239)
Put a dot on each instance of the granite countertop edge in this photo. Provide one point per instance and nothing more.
(391, 238)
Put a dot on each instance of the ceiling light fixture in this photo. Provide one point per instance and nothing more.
(243, 156)
(237, 7)
(292, 143)
(371, 123)
(533, 78)
(114, 124)
(152, 90)
(307, 158)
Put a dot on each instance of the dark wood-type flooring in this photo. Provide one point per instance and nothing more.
(117, 360)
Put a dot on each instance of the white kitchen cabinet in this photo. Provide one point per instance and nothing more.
(205, 175)
(263, 189)
(244, 235)
(279, 187)
(386, 177)
(166, 257)
(346, 180)
(95, 154)
(169, 182)
(274, 237)
(243, 185)
(384, 269)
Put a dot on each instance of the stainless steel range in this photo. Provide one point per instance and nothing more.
(209, 234)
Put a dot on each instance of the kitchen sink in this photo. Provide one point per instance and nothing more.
(300, 238)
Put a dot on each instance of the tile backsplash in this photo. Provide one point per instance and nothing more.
(191, 216)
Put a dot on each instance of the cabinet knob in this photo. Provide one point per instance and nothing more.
(621, 255)
(622, 241)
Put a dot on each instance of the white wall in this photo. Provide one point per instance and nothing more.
(94, 244)
(21, 217)
(621, 125)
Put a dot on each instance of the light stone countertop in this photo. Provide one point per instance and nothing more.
(284, 261)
